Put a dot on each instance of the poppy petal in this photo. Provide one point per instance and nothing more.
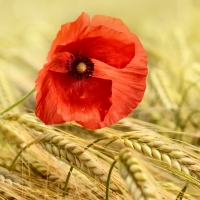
(104, 44)
(128, 86)
(58, 63)
(118, 25)
(46, 108)
(78, 100)
(110, 22)
(69, 32)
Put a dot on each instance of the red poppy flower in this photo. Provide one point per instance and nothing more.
(95, 73)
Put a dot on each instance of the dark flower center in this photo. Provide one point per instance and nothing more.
(79, 66)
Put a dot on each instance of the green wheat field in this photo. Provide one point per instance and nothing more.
(153, 154)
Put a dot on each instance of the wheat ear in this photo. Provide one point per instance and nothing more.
(159, 148)
(60, 144)
(138, 182)
(61, 147)
(9, 180)
(9, 177)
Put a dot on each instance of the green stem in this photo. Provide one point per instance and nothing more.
(110, 142)
(23, 149)
(67, 180)
(18, 102)
(108, 180)
(181, 194)
(98, 140)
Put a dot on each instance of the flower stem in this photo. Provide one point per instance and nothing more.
(18, 102)
(108, 180)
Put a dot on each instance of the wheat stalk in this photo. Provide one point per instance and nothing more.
(19, 137)
(61, 147)
(46, 168)
(71, 129)
(64, 146)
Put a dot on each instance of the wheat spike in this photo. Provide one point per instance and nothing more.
(48, 168)
(9, 180)
(159, 148)
(138, 182)
(61, 147)
(9, 177)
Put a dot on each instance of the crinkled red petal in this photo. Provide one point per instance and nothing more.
(110, 22)
(69, 32)
(118, 25)
(83, 101)
(128, 85)
(104, 44)
(58, 62)
(86, 101)
(46, 108)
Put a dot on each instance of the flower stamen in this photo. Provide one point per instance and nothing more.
(79, 66)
